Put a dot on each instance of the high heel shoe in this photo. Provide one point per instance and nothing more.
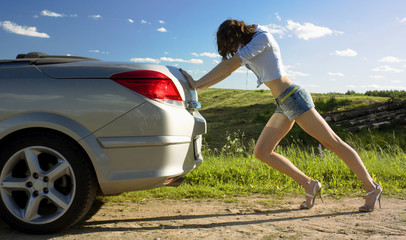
(316, 190)
(366, 208)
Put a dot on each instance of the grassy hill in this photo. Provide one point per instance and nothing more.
(242, 114)
(237, 116)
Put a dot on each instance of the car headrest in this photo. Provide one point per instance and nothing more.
(32, 55)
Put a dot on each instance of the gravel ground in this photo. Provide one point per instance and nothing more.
(242, 218)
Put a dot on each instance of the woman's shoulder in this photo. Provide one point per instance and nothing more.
(263, 33)
(260, 29)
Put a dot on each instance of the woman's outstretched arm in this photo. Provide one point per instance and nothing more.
(217, 74)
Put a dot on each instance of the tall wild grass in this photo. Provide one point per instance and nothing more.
(234, 171)
(230, 169)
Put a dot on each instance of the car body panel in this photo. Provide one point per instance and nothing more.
(132, 141)
(91, 102)
(106, 69)
(150, 154)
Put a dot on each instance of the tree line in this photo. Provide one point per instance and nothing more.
(395, 94)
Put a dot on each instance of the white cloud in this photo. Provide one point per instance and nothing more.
(403, 20)
(145, 60)
(294, 74)
(382, 87)
(143, 21)
(304, 31)
(22, 30)
(206, 54)
(377, 77)
(211, 55)
(391, 59)
(161, 21)
(166, 59)
(48, 13)
(307, 31)
(161, 29)
(338, 74)
(278, 17)
(277, 29)
(98, 51)
(311, 86)
(130, 20)
(346, 53)
(386, 68)
(196, 71)
(95, 17)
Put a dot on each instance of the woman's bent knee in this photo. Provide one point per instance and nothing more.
(262, 153)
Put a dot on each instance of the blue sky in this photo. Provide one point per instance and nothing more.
(327, 46)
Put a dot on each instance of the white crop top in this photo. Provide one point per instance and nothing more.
(262, 56)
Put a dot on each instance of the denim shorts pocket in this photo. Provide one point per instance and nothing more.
(307, 100)
(297, 103)
(292, 102)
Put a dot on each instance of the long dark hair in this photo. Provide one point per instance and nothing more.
(231, 34)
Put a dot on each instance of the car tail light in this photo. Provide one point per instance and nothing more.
(152, 84)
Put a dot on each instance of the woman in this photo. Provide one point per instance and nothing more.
(253, 46)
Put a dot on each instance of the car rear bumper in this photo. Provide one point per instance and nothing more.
(156, 158)
(142, 164)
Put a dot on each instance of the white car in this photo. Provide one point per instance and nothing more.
(71, 127)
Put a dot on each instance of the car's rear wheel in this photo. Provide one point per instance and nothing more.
(46, 183)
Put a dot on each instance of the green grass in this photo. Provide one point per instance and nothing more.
(224, 176)
(229, 111)
(236, 117)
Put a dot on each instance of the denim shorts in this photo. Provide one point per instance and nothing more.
(293, 102)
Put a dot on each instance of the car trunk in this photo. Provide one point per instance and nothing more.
(104, 70)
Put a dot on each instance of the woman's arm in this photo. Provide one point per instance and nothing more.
(217, 74)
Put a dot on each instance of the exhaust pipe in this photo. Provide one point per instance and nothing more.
(176, 182)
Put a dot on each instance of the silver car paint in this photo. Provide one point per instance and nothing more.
(106, 69)
(134, 143)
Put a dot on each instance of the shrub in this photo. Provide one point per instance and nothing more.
(331, 104)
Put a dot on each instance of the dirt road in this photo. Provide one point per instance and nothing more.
(242, 218)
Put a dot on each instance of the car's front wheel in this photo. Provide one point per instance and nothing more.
(46, 183)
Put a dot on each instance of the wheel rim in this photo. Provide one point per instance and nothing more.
(37, 185)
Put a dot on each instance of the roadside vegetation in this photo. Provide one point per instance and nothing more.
(235, 119)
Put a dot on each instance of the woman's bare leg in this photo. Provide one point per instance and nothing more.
(314, 124)
(276, 128)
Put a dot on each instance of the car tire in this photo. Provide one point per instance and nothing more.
(94, 209)
(46, 183)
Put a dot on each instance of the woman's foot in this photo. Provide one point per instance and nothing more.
(371, 198)
(312, 190)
